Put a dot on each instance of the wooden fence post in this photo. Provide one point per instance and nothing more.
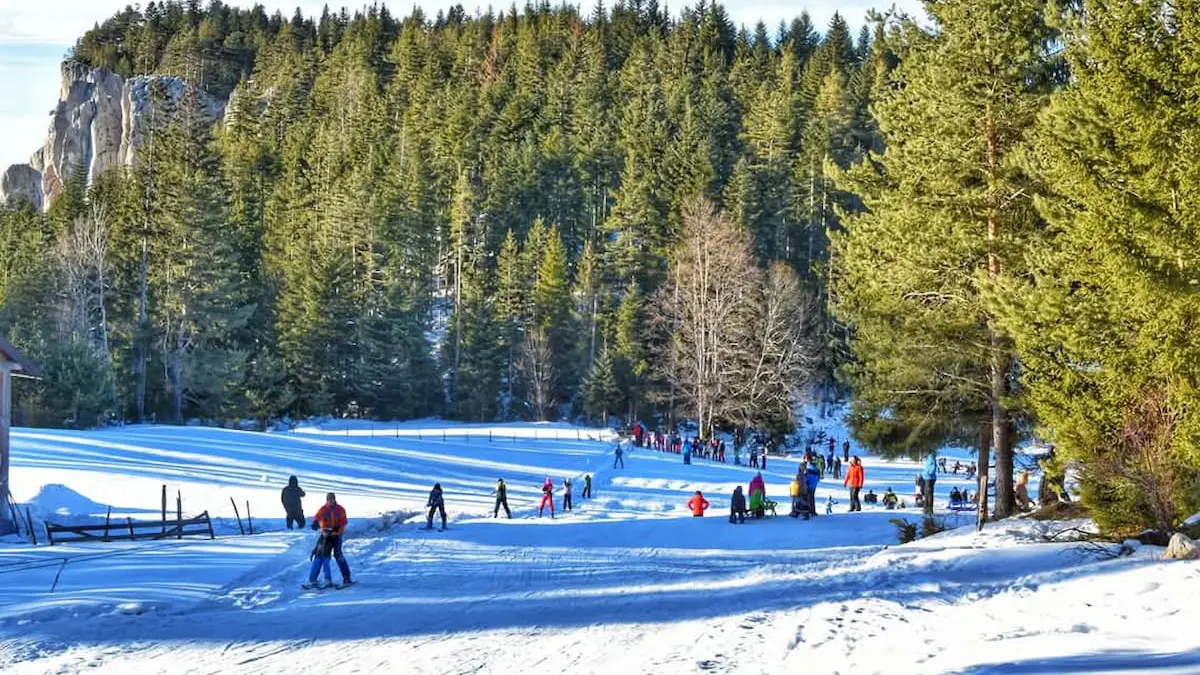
(29, 524)
(238, 515)
(249, 518)
(164, 510)
(107, 516)
(179, 513)
(207, 517)
(130, 522)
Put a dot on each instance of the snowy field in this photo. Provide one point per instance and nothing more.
(626, 583)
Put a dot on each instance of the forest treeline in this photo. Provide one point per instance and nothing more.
(979, 223)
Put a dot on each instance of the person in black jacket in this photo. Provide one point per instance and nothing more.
(501, 500)
(291, 496)
(737, 506)
(436, 504)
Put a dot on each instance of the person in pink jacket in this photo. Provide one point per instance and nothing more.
(547, 497)
(758, 484)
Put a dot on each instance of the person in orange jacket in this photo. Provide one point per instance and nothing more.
(698, 505)
(331, 521)
(854, 481)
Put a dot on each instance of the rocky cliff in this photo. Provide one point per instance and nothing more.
(100, 122)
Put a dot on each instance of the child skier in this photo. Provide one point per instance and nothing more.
(698, 505)
(547, 497)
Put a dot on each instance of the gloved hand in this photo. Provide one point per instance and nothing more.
(316, 525)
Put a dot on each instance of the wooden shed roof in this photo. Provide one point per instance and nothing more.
(24, 366)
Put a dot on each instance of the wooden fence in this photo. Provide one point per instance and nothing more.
(130, 530)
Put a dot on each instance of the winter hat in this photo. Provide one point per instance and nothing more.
(437, 486)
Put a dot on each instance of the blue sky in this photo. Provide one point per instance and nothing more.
(35, 34)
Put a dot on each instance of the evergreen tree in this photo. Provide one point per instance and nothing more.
(1103, 329)
(949, 218)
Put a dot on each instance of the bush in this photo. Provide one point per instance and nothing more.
(905, 531)
(1142, 481)
(931, 526)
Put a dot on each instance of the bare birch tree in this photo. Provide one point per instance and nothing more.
(711, 286)
(780, 357)
(537, 371)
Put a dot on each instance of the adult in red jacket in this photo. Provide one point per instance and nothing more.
(331, 520)
(698, 505)
(854, 481)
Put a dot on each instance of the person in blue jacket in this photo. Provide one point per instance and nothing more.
(812, 478)
(929, 473)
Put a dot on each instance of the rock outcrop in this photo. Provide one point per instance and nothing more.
(100, 122)
(1181, 548)
(21, 183)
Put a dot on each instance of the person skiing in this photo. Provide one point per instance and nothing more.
(566, 494)
(548, 496)
(828, 505)
(737, 506)
(331, 521)
(436, 504)
(854, 481)
(291, 496)
(754, 457)
(320, 563)
(618, 457)
(501, 493)
(837, 467)
(845, 451)
(587, 486)
(698, 505)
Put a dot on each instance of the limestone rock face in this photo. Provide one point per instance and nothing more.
(21, 183)
(101, 121)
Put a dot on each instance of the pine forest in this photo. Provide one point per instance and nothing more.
(975, 225)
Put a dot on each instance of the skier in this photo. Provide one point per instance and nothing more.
(566, 494)
(837, 467)
(698, 505)
(829, 505)
(618, 457)
(821, 465)
(587, 486)
(501, 493)
(854, 481)
(845, 451)
(331, 520)
(548, 496)
(320, 563)
(436, 505)
(754, 458)
(291, 496)
(737, 506)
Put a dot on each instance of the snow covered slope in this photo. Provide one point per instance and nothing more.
(628, 582)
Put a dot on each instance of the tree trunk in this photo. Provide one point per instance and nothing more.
(999, 361)
(985, 442)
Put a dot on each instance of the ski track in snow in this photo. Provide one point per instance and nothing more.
(628, 582)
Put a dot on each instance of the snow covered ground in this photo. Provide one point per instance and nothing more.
(628, 582)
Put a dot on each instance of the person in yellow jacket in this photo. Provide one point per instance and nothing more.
(796, 490)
